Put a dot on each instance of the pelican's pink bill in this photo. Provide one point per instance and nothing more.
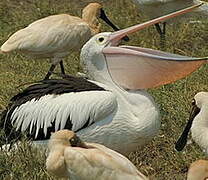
(140, 68)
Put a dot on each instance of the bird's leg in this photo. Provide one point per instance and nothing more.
(162, 34)
(62, 67)
(50, 71)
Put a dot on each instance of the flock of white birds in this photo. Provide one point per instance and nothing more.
(110, 106)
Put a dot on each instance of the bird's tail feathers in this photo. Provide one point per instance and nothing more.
(8, 134)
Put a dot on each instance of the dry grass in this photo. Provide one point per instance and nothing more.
(158, 159)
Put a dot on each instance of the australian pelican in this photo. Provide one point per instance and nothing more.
(112, 109)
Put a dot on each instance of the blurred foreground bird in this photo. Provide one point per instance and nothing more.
(72, 158)
(157, 8)
(113, 108)
(198, 123)
(198, 170)
(57, 36)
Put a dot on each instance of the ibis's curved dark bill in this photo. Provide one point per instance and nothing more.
(181, 143)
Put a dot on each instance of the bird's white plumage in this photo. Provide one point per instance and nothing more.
(87, 160)
(126, 118)
(199, 128)
(198, 170)
(156, 8)
(50, 37)
(100, 162)
(57, 36)
(78, 107)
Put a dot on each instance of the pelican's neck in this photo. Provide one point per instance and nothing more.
(91, 19)
(136, 100)
(97, 70)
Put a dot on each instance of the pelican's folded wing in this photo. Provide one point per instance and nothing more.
(57, 104)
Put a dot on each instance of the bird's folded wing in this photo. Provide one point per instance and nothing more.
(51, 34)
(98, 161)
(53, 106)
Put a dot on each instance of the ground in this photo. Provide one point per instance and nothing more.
(158, 159)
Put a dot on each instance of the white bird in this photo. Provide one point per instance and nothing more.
(198, 123)
(57, 36)
(113, 109)
(71, 158)
(157, 8)
(198, 170)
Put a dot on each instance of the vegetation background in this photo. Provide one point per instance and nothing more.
(157, 159)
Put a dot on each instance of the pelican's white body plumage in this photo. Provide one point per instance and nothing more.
(86, 161)
(117, 118)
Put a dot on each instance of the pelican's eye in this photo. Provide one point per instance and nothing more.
(101, 39)
(193, 102)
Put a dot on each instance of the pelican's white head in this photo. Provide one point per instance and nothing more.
(134, 67)
(92, 58)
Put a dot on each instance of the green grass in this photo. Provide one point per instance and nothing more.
(158, 159)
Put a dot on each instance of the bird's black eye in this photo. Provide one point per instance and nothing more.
(193, 102)
(101, 39)
(73, 142)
